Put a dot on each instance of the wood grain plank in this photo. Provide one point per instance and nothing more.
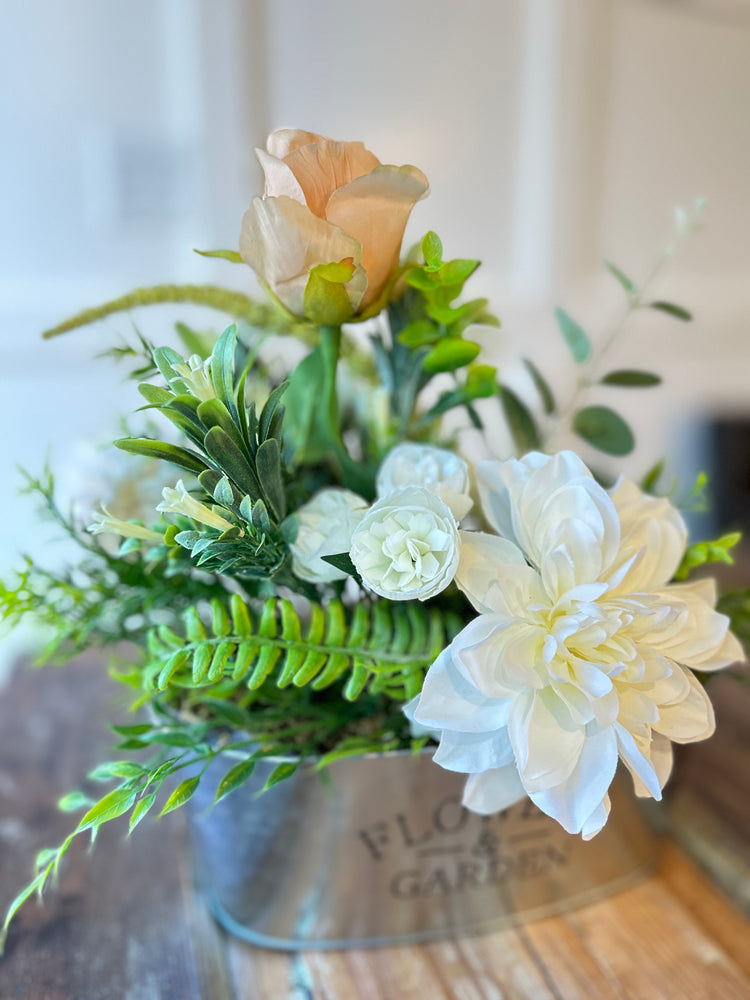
(116, 925)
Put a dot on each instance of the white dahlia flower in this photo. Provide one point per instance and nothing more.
(326, 524)
(407, 545)
(582, 650)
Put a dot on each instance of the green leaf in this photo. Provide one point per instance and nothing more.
(631, 377)
(180, 795)
(234, 777)
(342, 561)
(712, 551)
(110, 807)
(117, 769)
(449, 355)
(280, 773)
(576, 339)
(230, 255)
(418, 333)
(520, 421)
(74, 801)
(604, 429)
(141, 808)
(222, 369)
(268, 467)
(652, 477)
(232, 461)
(456, 272)
(326, 301)
(432, 249)
(541, 386)
(672, 310)
(481, 381)
(623, 279)
(181, 457)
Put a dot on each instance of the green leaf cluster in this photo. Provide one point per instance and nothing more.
(237, 459)
(710, 551)
(384, 647)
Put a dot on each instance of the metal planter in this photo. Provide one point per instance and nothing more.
(378, 850)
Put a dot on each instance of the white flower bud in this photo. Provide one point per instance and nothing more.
(326, 524)
(437, 469)
(179, 501)
(407, 545)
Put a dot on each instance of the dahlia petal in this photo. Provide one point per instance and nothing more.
(448, 701)
(638, 765)
(697, 637)
(576, 802)
(597, 819)
(547, 743)
(492, 791)
(660, 755)
(472, 752)
(652, 528)
(482, 558)
(689, 720)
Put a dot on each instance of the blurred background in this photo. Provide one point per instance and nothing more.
(555, 133)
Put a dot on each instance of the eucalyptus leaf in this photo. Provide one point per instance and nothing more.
(541, 386)
(520, 421)
(604, 429)
(574, 335)
(620, 276)
(672, 310)
(631, 377)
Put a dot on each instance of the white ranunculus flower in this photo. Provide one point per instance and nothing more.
(326, 524)
(440, 470)
(583, 649)
(407, 545)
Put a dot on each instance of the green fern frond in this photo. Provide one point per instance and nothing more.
(384, 647)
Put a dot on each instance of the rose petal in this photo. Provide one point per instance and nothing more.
(375, 209)
(321, 168)
(286, 140)
(279, 178)
(282, 240)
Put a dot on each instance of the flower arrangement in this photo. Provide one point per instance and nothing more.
(327, 577)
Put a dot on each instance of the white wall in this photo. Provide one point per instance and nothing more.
(554, 132)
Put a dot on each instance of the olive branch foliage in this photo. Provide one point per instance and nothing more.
(225, 660)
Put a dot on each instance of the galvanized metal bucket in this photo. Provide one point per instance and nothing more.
(378, 850)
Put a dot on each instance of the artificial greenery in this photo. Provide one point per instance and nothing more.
(228, 658)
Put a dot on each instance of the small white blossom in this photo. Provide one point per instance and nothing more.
(196, 374)
(407, 545)
(583, 649)
(104, 521)
(437, 469)
(326, 525)
(179, 501)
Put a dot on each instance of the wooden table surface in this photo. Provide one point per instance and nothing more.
(126, 923)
